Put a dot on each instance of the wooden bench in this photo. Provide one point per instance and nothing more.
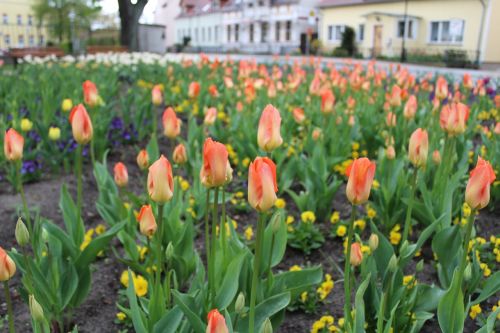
(19, 53)
(93, 49)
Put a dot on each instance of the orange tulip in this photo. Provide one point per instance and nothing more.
(317, 133)
(81, 124)
(262, 185)
(390, 119)
(356, 255)
(467, 81)
(436, 157)
(179, 155)
(327, 101)
(210, 116)
(147, 221)
(497, 128)
(298, 115)
(390, 152)
(418, 148)
(360, 173)
(441, 88)
(143, 159)
(13, 145)
(194, 89)
(7, 266)
(395, 99)
(171, 124)
(90, 94)
(477, 192)
(156, 95)
(216, 170)
(212, 90)
(216, 322)
(121, 174)
(161, 181)
(410, 107)
(268, 134)
(453, 118)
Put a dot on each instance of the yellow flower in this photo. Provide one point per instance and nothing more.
(328, 320)
(303, 297)
(248, 233)
(474, 311)
(54, 133)
(124, 278)
(280, 203)
(325, 288)
(341, 322)
(142, 252)
(66, 105)
(361, 224)
(486, 269)
(184, 185)
(26, 125)
(376, 185)
(100, 229)
(295, 268)
(409, 281)
(355, 146)
(395, 235)
(121, 316)
(126, 205)
(365, 249)
(290, 219)
(371, 213)
(140, 286)
(341, 230)
(335, 217)
(354, 154)
(308, 217)
(246, 162)
(466, 210)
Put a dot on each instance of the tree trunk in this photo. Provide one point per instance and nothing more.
(129, 18)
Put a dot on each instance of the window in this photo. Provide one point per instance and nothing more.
(41, 40)
(195, 34)
(288, 30)
(447, 31)
(228, 33)
(278, 31)
(209, 31)
(32, 40)
(20, 40)
(335, 32)
(216, 34)
(30, 20)
(203, 34)
(263, 32)
(7, 40)
(19, 20)
(251, 33)
(236, 32)
(408, 32)
(361, 32)
(5, 19)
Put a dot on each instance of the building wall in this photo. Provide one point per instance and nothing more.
(165, 14)
(22, 31)
(205, 30)
(426, 11)
(151, 38)
(491, 41)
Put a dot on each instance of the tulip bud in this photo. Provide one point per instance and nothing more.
(7, 266)
(316, 134)
(81, 124)
(453, 118)
(54, 133)
(436, 157)
(13, 145)
(210, 116)
(143, 159)
(22, 233)
(179, 155)
(262, 185)
(216, 170)
(276, 223)
(45, 235)
(360, 173)
(171, 124)
(239, 305)
(468, 272)
(66, 105)
(194, 90)
(216, 322)
(420, 266)
(121, 174)
(298, 115)
(418, 148)
(477, 192)
(267, 327)
(156, 95)
(147, 222)
(390, 153)
(161, 181)
(269, 136)
(393, 264)
(36, 309)
(373, 242)
(404, 248)
(356, 254)
(90, 94)
(169, 252)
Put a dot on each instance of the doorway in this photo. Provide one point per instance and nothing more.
(377, 41)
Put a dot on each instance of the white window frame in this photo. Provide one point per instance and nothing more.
(358, 35)
(332, 32)
(440, 41)
(414, 29)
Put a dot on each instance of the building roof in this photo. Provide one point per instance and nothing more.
(376, 13)
(346, 3)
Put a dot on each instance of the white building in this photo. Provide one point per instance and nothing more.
(253, 26)
(165, 14)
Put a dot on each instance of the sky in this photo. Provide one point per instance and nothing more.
(111, 7)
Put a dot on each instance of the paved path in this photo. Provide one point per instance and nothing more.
(457, 73)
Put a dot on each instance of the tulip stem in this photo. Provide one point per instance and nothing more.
(207, 227)
(409, 209)
(9, 306)
(159, 244)
(79, 183)
(256, 268)
(347, 270)
(468, 232)
(211, 269)
(20, 188)
(223, 223)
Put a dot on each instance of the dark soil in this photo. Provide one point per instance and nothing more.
(97, 314)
